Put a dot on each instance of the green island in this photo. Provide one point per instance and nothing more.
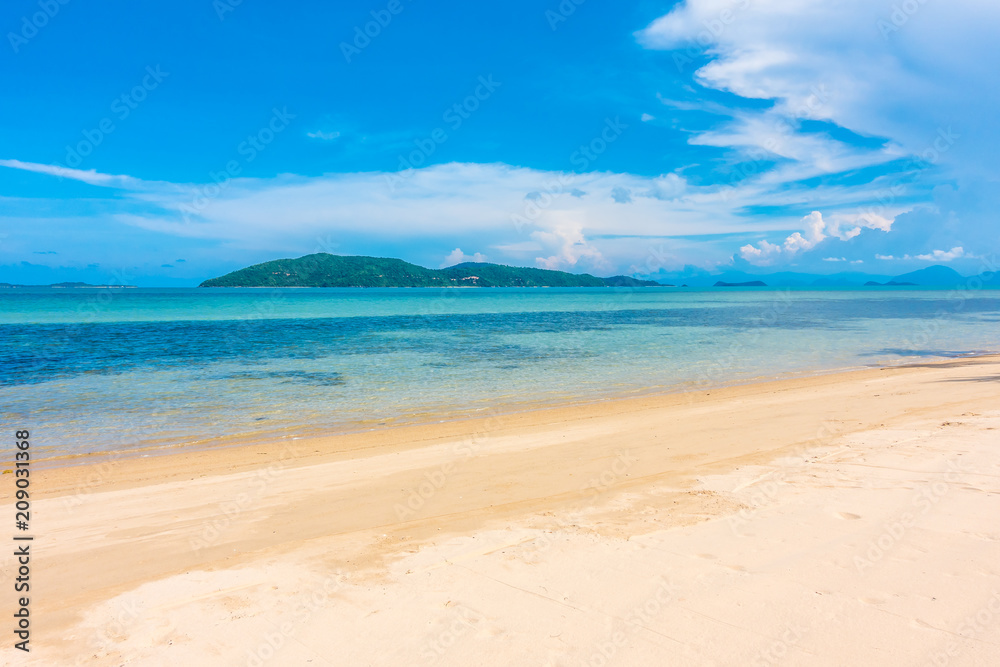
(326, 270)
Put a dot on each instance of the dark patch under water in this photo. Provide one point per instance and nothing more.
(294, 377)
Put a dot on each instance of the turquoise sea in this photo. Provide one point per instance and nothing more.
(90, 370)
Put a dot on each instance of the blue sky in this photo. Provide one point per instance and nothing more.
(164, 145)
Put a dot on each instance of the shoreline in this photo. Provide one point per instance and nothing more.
(118, 468)
(167, 447)
(541, 524)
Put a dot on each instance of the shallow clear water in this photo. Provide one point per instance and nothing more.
(101, 370)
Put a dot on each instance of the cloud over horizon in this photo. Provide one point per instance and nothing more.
(811, 135)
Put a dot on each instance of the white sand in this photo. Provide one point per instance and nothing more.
(842, 520)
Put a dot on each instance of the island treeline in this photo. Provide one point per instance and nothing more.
(326, 270)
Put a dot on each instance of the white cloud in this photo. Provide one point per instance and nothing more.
(456, 256)
(325, 136)
(934, 256)
(572, 248)
(485, 205)
(895, 83)
(816, 230)
(763, 254)
(89, 176)
(920, 75)
(647, 117)
(943, 255)
(766, 253)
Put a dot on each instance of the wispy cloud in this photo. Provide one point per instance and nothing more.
(325, 136)
(486, 204)
(87, 176)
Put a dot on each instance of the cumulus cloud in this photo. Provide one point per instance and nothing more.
(766, 253)
(571, 249)
(456, 256)
(842, 227)
(763, 254)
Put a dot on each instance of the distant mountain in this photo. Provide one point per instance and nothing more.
(69, 286)
(933, 276)
(626, 281)
(325, 270)
(780, 279)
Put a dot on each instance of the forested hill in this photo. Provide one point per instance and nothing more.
(325, 270)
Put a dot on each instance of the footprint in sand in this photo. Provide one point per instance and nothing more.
(873, 601)
(987, 537)
(849, 516)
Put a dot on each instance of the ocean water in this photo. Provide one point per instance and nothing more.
(107, 370)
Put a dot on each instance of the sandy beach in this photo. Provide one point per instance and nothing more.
(843, 519)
